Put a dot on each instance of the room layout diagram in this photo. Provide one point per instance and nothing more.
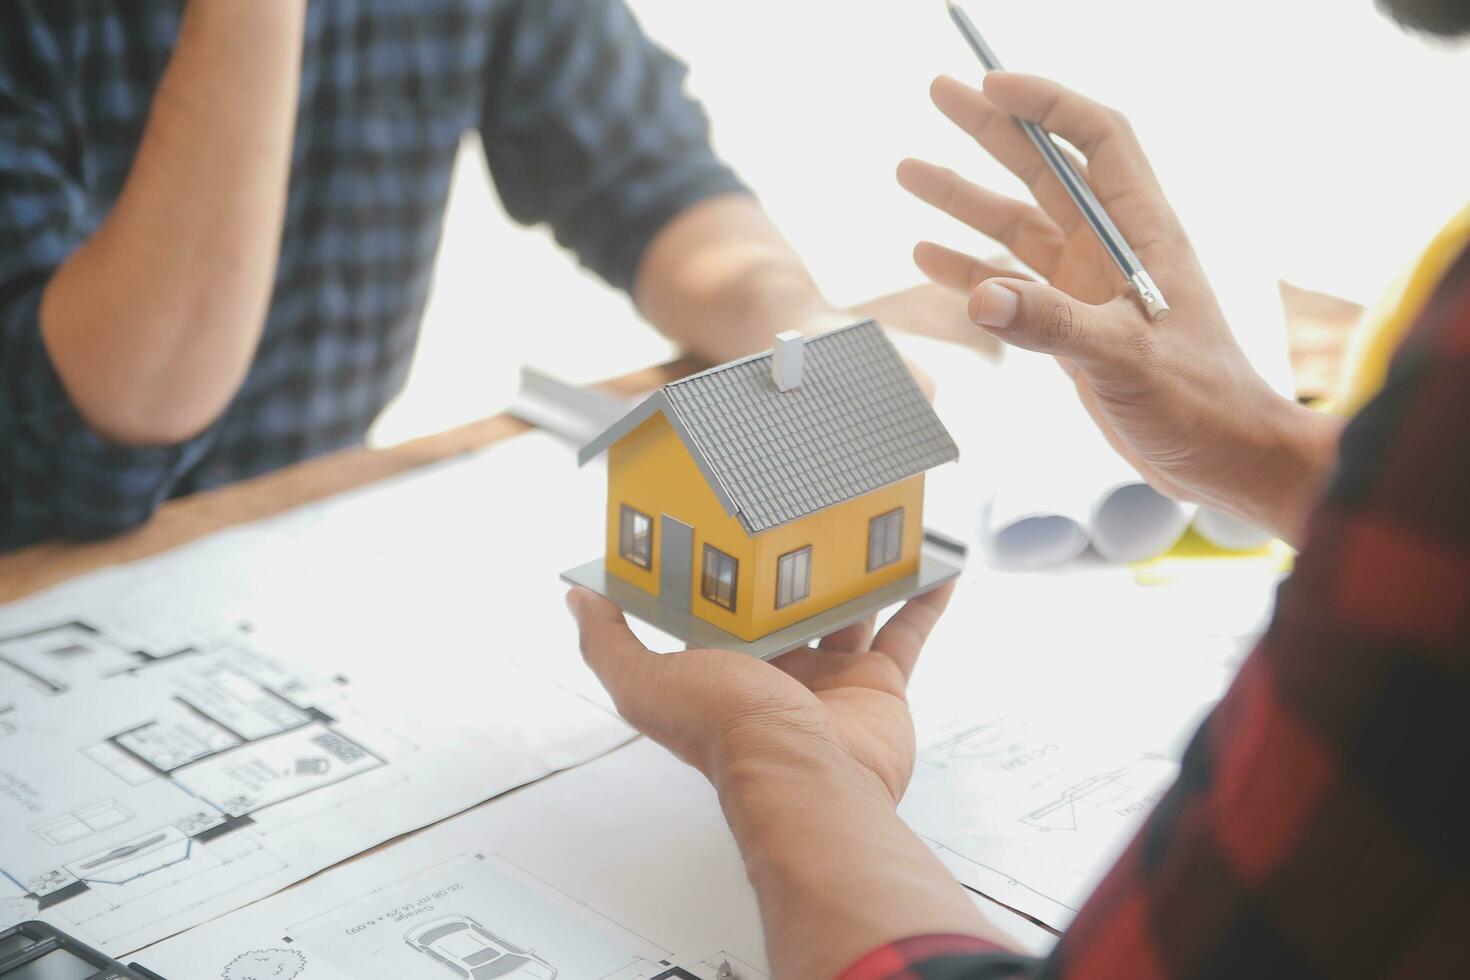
(524, 887)
(143, 789)
(132, 771)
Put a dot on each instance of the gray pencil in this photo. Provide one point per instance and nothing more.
(1097, 218)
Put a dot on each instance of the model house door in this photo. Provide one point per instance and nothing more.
(675, 563)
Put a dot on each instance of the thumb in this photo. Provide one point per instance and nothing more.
(625, 666)
(1038, 317)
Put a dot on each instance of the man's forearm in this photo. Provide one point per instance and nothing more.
(720, 281)
(836, 871)
(153, 322)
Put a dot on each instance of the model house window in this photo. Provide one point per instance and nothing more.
(635, 537)
(793, 577)
(717, 584)
(885, 539)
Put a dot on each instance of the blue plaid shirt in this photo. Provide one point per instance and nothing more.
(585, 123)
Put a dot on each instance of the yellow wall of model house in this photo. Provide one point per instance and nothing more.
(838, 537)
(651, 471)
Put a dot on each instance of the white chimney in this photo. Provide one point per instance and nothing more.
(786, 359)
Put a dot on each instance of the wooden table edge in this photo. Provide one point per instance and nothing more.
(178, 522)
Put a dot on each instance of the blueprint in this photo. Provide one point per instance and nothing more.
(622, 869)
(1051, 712)
(188, 734)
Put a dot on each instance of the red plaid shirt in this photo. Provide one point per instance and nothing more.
(1319, 826)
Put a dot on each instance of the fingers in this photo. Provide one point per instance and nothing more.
(1022, 228)
(903, 636)
(996, 131)
(855, 637)
(1118, 170)
(626, 667)
(1090, 126)
(811, 665)
(956, 270)
(806, 665)
(1040, 318)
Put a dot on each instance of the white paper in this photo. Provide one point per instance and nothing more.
(1051, 711)
(187, 734)
(622, 868)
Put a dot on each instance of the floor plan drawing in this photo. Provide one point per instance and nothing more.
(145, 788)
(190, 732)
(56, 658)
(620, 869)
(530, 884)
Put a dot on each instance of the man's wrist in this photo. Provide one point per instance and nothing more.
(829, 857)
(1314, 438)
(741, 773)
(1298, 448)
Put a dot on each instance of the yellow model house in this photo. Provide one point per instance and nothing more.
(773, 499)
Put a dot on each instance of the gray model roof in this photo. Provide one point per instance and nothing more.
(856, 423)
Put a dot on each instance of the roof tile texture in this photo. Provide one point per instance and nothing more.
(856, 423)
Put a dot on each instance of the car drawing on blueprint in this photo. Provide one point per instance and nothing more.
(470, 950)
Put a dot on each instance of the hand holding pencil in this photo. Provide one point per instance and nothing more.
(1072, 181)
(1178, 399)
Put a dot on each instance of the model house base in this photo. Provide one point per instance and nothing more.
(939, 562)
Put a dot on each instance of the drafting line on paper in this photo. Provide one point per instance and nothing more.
(266, 964)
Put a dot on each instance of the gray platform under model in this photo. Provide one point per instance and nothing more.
(939, 561)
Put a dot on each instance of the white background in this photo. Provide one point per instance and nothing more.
(1308, 139)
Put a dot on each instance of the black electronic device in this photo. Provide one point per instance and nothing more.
(37, 951)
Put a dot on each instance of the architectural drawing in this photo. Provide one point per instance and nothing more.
(1099, 791)
(560, 895)
(470, 950)
(55, 658)
(186, 757)
(994, 738)
(245, 696)
(146, 788)
(1031, 813)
